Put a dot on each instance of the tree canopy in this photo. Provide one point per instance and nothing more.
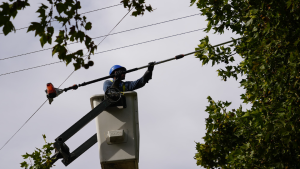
(73, 26)
(266, 135)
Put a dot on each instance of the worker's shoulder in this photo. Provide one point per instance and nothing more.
(108, 81)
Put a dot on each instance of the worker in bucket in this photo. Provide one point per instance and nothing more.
(118, 71)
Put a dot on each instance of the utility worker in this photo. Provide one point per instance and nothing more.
(118, 70)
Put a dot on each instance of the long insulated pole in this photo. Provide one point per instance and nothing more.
(135, 69)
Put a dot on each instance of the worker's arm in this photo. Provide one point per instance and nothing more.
(133, 85)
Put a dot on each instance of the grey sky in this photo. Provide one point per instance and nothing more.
(171, 106)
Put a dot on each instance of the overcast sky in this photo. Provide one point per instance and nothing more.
(171, 106)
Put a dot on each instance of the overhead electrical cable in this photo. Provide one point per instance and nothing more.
(104, 35)
(24, 124)
(100, 9)
(80, 13)
(150, 41)
(108, 50)
(58, 87)
(148, 25)
(30, 68)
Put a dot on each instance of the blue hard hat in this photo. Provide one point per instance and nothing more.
(115, 67)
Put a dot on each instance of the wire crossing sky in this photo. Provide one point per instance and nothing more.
(81, 14)
(103, 36)
(106, 51)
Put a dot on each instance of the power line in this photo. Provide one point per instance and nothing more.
(100, 9)
(26, 53)
(113, 28)
(30, 68)
(24, 124)
(149, 25)
(80, 13)
(150, 41)
(111, 50)
(107, 35)
(58, 87)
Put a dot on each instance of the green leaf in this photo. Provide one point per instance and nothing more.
(68, 58)
(8, 27)
(254, 29)
(77, 66)
(254, 11)
(24, 164)
(87, 41)
(44, 137)
(246, 114)
(249, 22)
(296, 42)
(79, 52)
(31, 28)
(88, 26)
(60, 7)
(43, 40)
(25, 156)
(50, 30)
(289, 3)
(192, 2)
(80, 35)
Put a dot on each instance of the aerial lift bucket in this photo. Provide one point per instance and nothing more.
(118, 133)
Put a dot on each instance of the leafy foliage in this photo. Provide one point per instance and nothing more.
(41, 157)
(267, 135)
(74, 26)
(8, 11)
(138, 5)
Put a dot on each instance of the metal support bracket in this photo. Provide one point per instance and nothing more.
(80, 150)
(63, 151)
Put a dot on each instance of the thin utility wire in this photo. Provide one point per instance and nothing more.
(58, 87)
(31, 68)
(24, 124)
(110, 50)
(80, 14)
(100, 9)
(150, 41)
(114, 27)
(106, 35)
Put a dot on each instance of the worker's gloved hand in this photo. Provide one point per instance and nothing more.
(148, 73)
(151, 66)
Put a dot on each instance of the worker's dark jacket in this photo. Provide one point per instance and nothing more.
(126, 86)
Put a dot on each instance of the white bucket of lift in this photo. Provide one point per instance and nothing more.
(118, 133)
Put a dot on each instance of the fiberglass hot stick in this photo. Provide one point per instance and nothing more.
(135, 69)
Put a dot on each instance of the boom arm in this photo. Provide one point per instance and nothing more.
(62, 150)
